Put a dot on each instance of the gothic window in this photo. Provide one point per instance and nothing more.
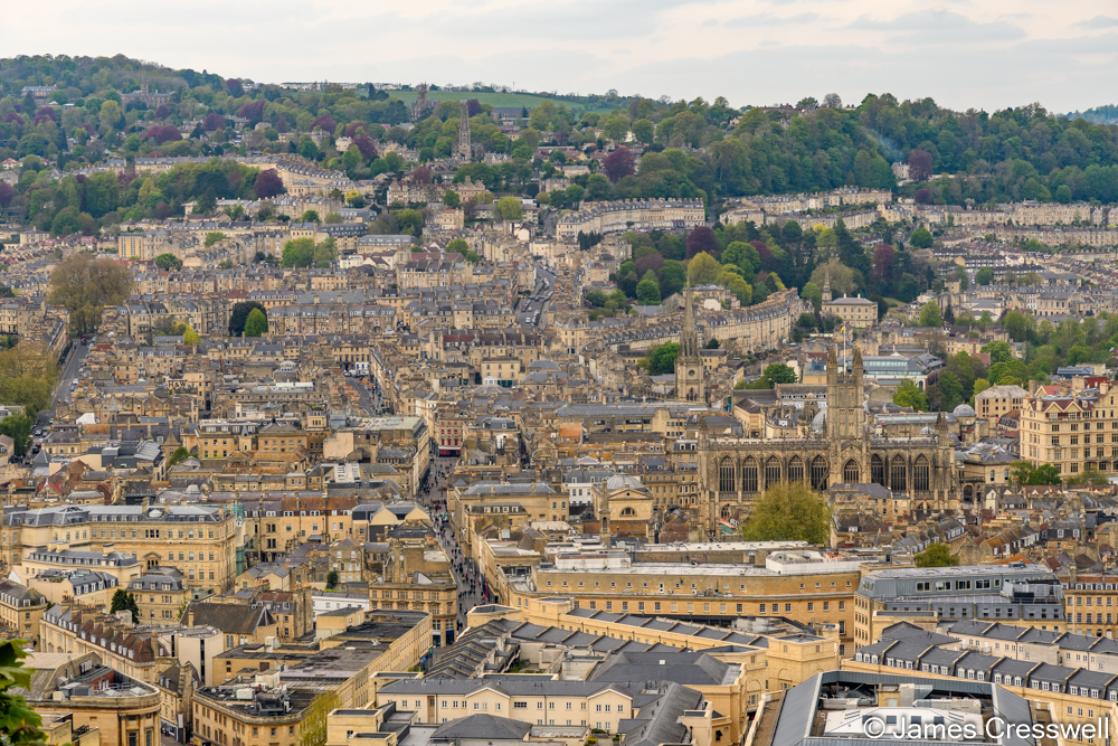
(795, 469)
(819, 473)
(726, 475)
(877, 470)
(749, 475)
(897, 481)
(921, 474)
(772, 472)
(851, 473)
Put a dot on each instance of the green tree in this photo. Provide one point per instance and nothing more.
(508, 208)
(27, 375)
(788, 512)
(190, 337)
(1028, 473)
(936, 554)
(298, 252)
(84, 284)
(451, 199)
(314, 718)
(239, 316)
(999, 352)
(775, 373)
(256, 324)
(213, 237)
(168, 262)
(19, 724)
(908, 394)
(984, 276)
(661, 359)
(331, 579)
(310, 216)
(930, 315)
(703, 269)
(648, 289)
(125, 601)
(18, 428)
(921, 238)
(179, 455)
(1019, 326)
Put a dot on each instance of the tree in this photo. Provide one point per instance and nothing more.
(936, 554)
(451, 199)
(239, 316)
(190, 337)
(1028, 473)
(619, 164)
(788, 512)
(256, 324)
(1019, 326)
(703, 269)
(179, 455)
(268, 184)
(167, 262)
(908, 394)
(661, 359)
(84, 284)
(919, 165)
(984, 276)
(19, 724)
(27, 375)
(775, 373)
(509, 208)
(310, 216)
(18, 428)
(125, 601)
(701, 239)
(648, 289)
(331, 579)
(921, 238)
(930, 315)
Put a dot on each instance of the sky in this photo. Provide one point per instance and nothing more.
(985, 54)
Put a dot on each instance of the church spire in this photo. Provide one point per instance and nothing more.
(689, 339)
(463, 150)
(827, 296)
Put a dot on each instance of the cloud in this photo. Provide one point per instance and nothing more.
(939, 27)
(768, 19)
(1099, 22)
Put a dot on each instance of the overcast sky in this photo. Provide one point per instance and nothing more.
(978, 53)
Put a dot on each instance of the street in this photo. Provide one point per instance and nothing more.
(71, 367)
(471, 587)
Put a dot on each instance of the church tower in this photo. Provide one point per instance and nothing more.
(827, 295)
(689, 378)
(463, 151)
(846, 413)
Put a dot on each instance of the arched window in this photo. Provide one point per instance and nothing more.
(628, 512)
(772, 471)
(897, 481)
(877, 470)
(921, 474)
(726, 475)
(819, 473)
(851, 474)
(795, 469)
(749, 475)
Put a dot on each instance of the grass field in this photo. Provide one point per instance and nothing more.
(526, 100)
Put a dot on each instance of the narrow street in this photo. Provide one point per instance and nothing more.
(433, 498)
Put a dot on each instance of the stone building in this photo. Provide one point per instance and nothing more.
(844, 446)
